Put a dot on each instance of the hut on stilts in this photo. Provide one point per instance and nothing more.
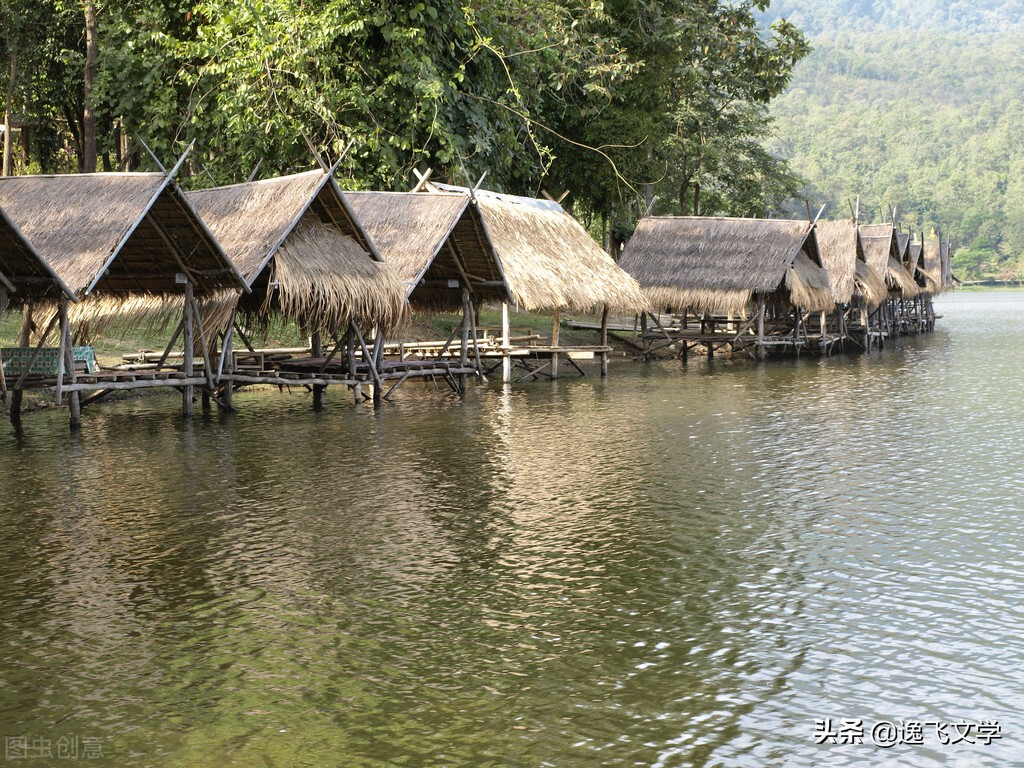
(303, 255)
(933, 271)
(856, 289)
(882, 250)
(551, 263)
(744, 284)
(126, 245)
(439, 246)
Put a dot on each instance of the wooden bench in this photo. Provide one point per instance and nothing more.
(16, 360)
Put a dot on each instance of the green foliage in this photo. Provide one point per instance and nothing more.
(927, 123)
(600, 97)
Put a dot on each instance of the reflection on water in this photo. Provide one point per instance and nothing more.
(681, 566)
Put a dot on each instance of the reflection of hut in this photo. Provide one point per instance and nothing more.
(856, 289)
(122, 243)
(304, 255)
(883, 253)
(552, 263)
(439, 247)
(763, 275)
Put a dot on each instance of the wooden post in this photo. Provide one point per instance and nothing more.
(350, 357)
(189, 351)
(646, 343)
(555, 328)
(376, 353)
(227, 365)
(24, 340)
(464, 348)
(760, 328)
(506, 360)
(604, 341)
(316, 350)
(67, 366)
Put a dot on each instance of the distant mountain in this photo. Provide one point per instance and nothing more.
(910, 104)
(816, 17)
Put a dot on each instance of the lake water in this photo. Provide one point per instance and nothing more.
(692, 565)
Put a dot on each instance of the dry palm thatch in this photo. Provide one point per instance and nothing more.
(24, 275)
(720, 264)
(870, 285)
(882, 252)
(117, 234)
(296, 234)
(550, 261)
(436, 243)
(915, 252)
(840, 247)
(947, 265)
(902, 244)
(900, 280)
(932, 268)
(325, 277)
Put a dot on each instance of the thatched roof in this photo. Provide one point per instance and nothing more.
(117, 234)
(302, 250)
(902, 243)
(914, 254)
(882, 251)
(719, 264)
(24, 274)
(870, 285)
(932, 269)
(947, 265)
(840, 249)
(550, 261)
(432, 241)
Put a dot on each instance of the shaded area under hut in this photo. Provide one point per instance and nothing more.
(439, 247)
(126, 245)
(551, 262)
(744, 284)
(304, 255)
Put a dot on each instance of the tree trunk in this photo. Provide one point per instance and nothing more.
(696, 199)
(7, 114)
(88, 116)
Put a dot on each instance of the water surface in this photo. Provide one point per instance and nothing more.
(680, 566)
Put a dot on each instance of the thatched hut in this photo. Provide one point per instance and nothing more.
(550, 261)
(302, 252)
(437, 244)
(856, 288)
(945, 256)
(719, 265)
(123, 243)
(882, 251)
(931, 268)
(722, 265)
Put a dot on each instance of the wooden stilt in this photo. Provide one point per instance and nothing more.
(555, 329)
(760, 328)
(317, 350)
(227, 364)
(506, 360)
(604, 341)
(464, 348)
(189, 351)
(24, 340)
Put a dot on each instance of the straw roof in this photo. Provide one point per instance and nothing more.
(870, 285)
(296, 234)
(24, 275)
(914, 254)
(902, 243)
(720, 264)
(550, 261)
(840, 248)
(117, 234)
(437, 243)
(947, 265)
(932, 268)
(882, 252)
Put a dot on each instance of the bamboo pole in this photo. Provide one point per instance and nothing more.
(316, 351)
(604, 341)
(186, 391)
(506, 360)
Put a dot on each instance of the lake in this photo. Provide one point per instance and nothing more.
(711, 564)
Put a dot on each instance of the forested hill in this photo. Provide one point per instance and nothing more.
(917, 104)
